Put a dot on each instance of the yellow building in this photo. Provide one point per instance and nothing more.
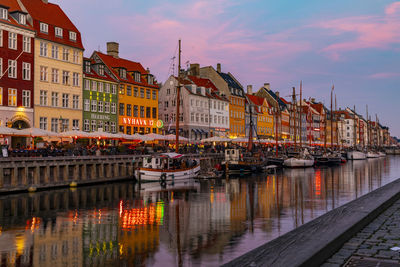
(265, 118)
(58, 68)
(237, 116)
(137, 93)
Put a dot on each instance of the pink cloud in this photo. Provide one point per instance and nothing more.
(384, 75)
(379, 32)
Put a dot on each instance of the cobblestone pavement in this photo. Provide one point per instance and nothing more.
(374, 241)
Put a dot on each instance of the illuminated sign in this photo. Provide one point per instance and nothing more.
(142, 122)
(159, 124)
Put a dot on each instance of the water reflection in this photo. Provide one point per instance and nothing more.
(196, 223)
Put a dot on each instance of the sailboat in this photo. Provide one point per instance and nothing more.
(304, 158)
(355, 154)
(167, 167)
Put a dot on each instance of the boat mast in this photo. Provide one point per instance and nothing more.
(333, 87)
(355, 127)
(301, 129)
(376, 130)
(178, 96)
(336, 126)
(326, 124)
(276, 126)
(250, 143)
(294, 106)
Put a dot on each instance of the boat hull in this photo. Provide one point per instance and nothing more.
(275, 161)
(155, 175)
(355, 155)
(381, 154)
(372, 155)
(328, 161)
(298, 163)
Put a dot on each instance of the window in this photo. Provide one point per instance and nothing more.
(75, 124)
(44, 27)
(75, 101)
(54, 75)
(22, 19)
(107, 126)
(12, 97)
(141, 92)
(86, 125)
(94, 105)
(128, 90)
(72, 36)
(94, 126)
(113, 108)
(114, 89)
(113, 127)
(26, 44)
(75, 79)
(135, 91)
(65, 100)
(43, 73)
(166, 104)
(141, 111)
(101, 70)
(192, 117)
(43, 49)
(26, 98)
(148, 93)
(75, 57)
(121, 89)
(54, 51)
(86, 105)
(122, 73)
(43, 98)
(87, 85)
(54, 99)
(128, 110)
(54, 125)
(65, 77)
(107, 88)
(121, 109)
(137, 76)
(3, 13)
(58, 32)
(43, 123)
(26, 71)
(12, 40)
(100, 124)
(154, 94)
(100, 87)
(135, 110)
(100, 106)
(107, 107)
(64, 125)
(12, 68)
(1, 37)
(148, 112)
(166, 117)
(154, 113)
(65, 54)
(94, 86)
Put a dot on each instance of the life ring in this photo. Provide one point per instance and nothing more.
(163, 177)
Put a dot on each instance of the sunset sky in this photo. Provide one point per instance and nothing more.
(354, 45)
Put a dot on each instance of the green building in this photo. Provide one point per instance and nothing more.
(100, 98)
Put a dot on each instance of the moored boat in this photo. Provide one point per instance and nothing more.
(356, 155)
(371, 154)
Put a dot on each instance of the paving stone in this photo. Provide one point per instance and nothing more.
(366, 252)
(387, 253)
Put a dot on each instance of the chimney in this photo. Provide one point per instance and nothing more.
(313, 100)
(277, 93)
(267, 86)
(250, 89)
(219, 67)
(113, 49)
(195, 69)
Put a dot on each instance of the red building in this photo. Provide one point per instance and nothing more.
(16, 65)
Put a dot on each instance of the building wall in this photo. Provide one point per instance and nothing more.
(137, 123)
(57, 112)
(219, 117)
(101, 118)
(237, 116)
(10, 114)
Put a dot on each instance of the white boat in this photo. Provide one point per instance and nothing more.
(382, 154)
(355, 155)
(372, 154)
(168, 167)
(298, 163)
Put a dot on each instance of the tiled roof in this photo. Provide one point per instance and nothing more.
(231, 82)
(206, 83)
(54, 16)
(95, 75)
(13, 6)
(257, 100)
(131, 66)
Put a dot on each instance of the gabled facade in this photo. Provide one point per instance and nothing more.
(16, 66)
(137, 92)
(233, 90)
(57, 69)
(265, 119)
(100, 98)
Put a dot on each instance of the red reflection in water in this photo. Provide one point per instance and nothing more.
(318, 182)
(138, 216)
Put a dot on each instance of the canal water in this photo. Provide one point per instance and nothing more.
(203, 223)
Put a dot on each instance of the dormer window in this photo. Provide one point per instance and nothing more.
(122, 73)
(101, 70)
(87, 66)
(72, 36)
(59, 32)
(137, 76)
(4, 13)
(150, 79)
(44, 27)
(22, 19)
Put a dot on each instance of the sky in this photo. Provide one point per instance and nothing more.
(353, 45)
